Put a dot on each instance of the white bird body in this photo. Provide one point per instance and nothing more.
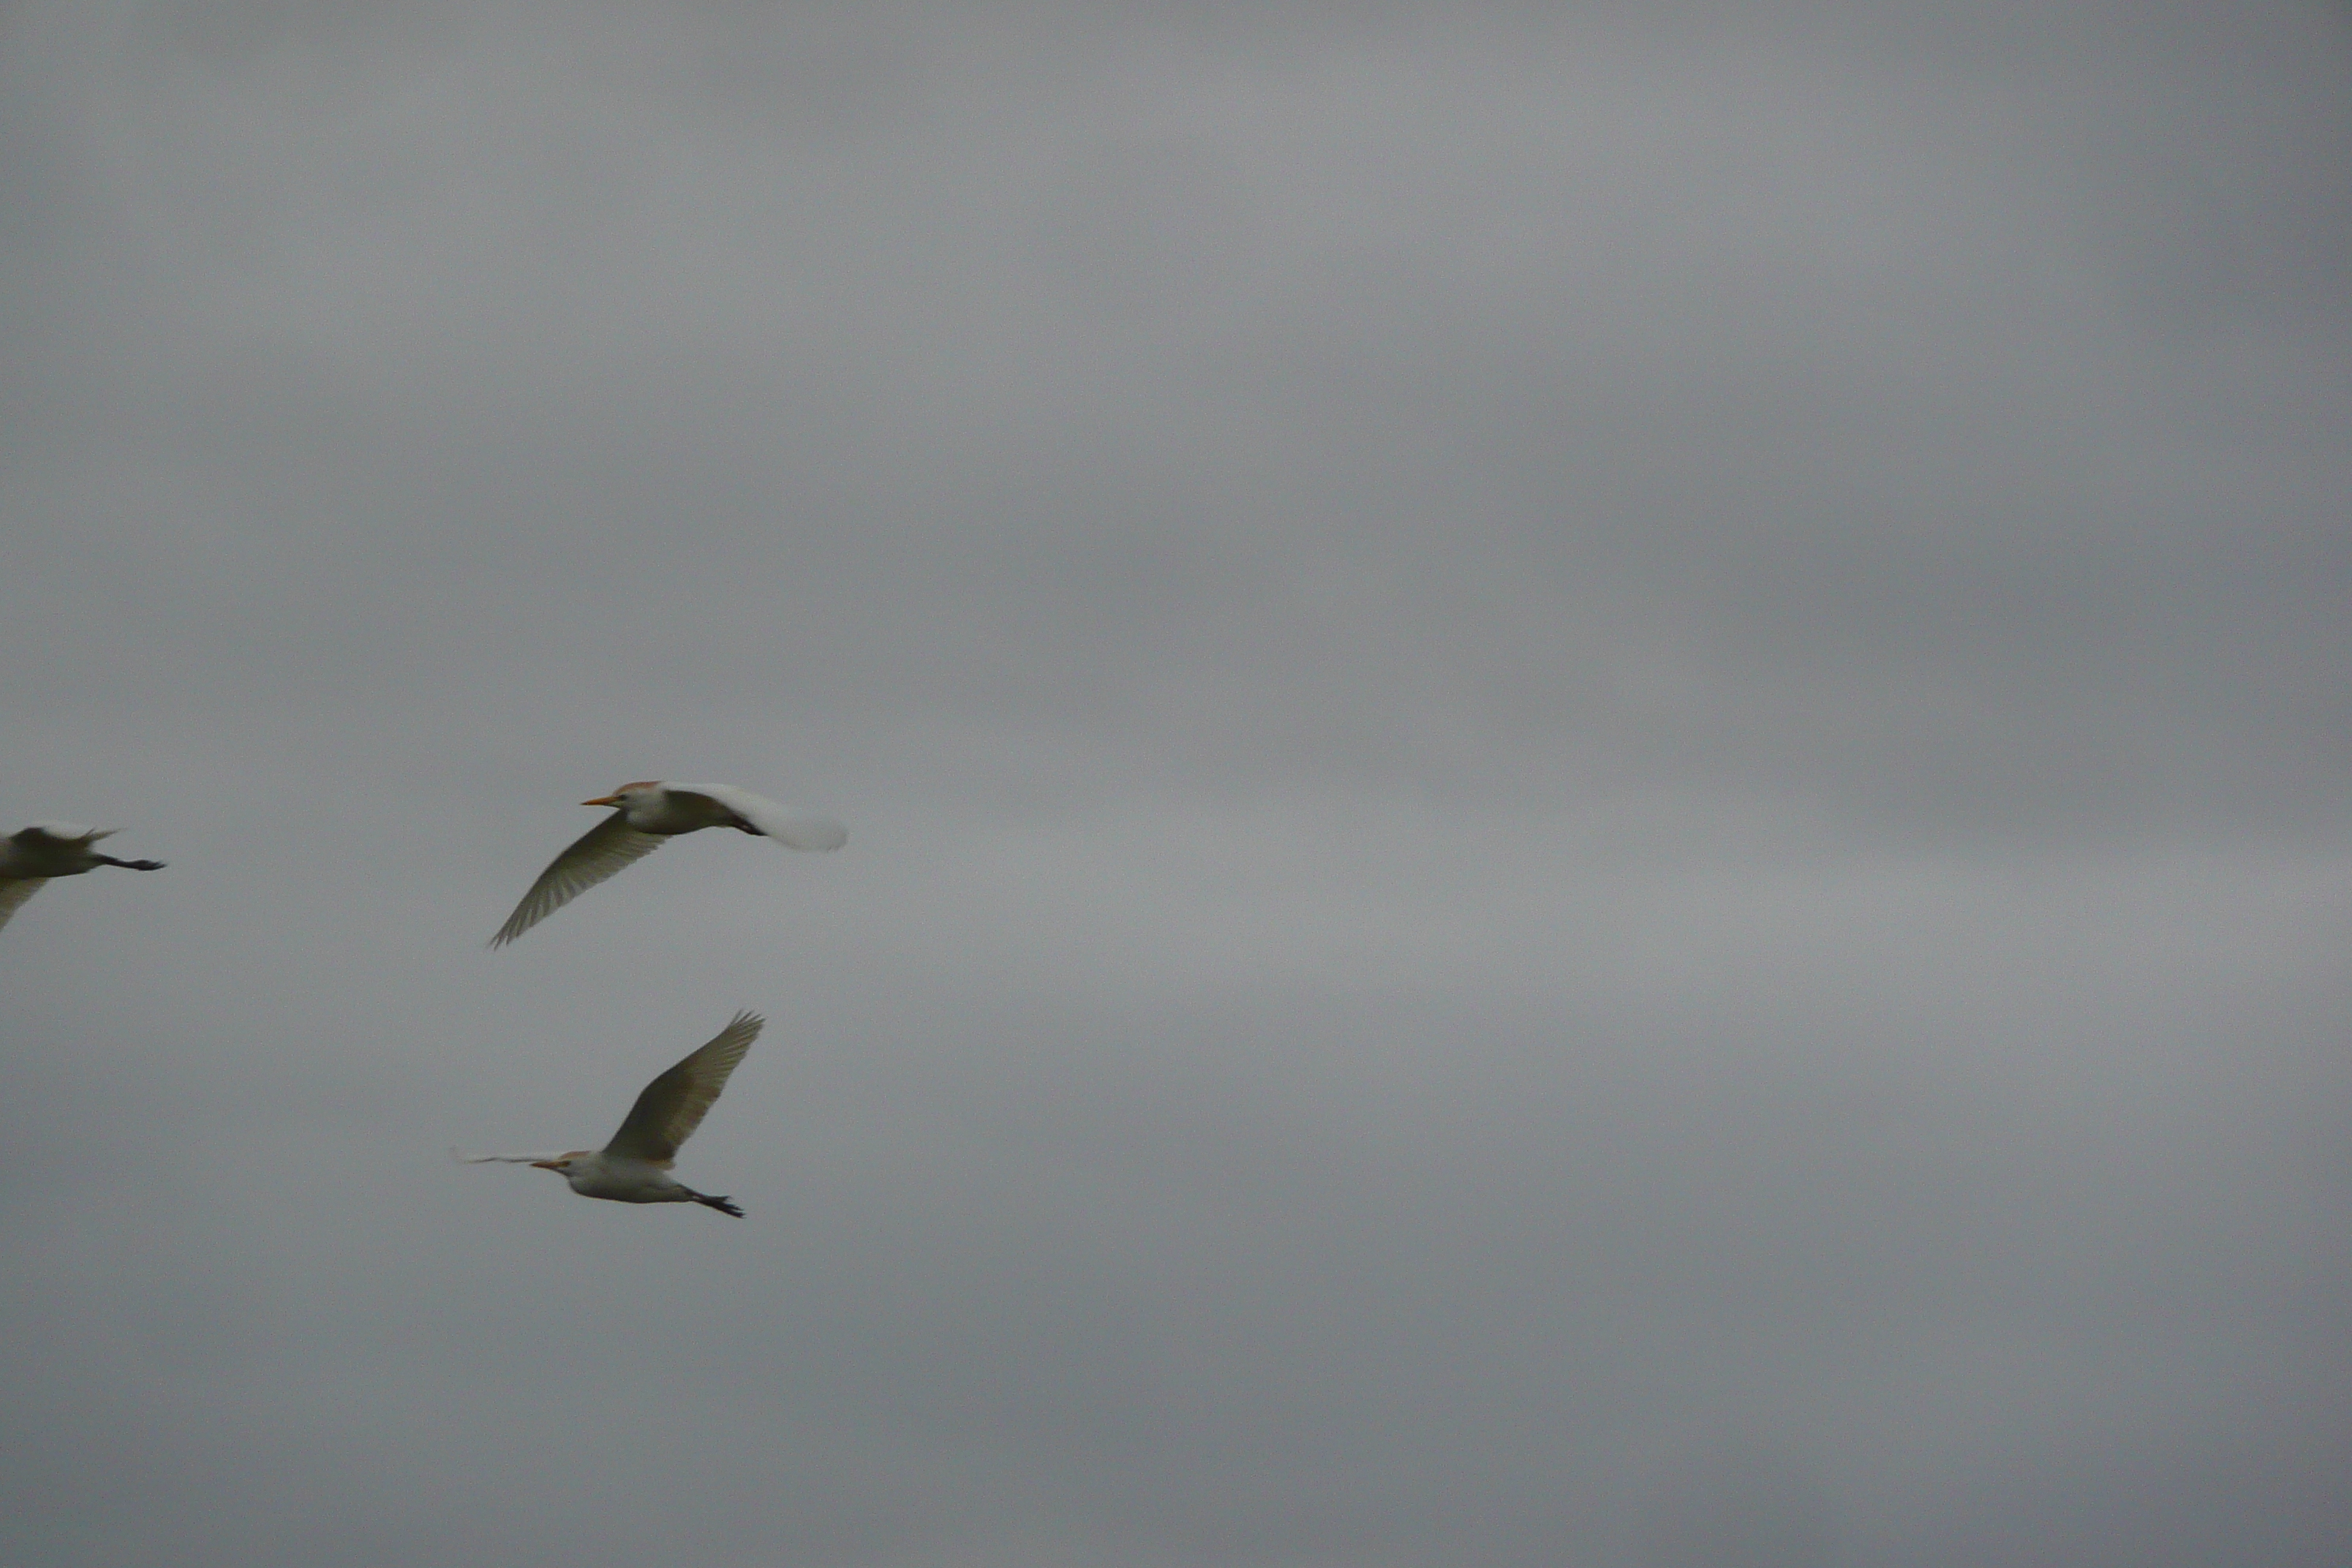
(634, 1168)
(601, 1174)
(646, 814)
(31, 856)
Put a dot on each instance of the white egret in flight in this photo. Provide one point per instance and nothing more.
(634, 1168)
(648, 813)
(31, 856)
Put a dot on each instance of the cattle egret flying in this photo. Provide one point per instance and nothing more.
(648, 813)
(634, 1167)
(31, 856)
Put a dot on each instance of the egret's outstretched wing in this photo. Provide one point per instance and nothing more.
(785, 824)
(595, 855)
(14, 891)
(672, 1106)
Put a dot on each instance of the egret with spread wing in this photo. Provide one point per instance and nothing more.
(31, 856)
(645, 815)
(634, 1168)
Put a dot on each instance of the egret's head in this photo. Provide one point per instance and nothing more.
(627, 795)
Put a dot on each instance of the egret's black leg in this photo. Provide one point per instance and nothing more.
(129, 865)
(724, 1205)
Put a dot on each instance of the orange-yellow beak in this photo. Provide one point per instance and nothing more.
(603, 800)
(545, 1165)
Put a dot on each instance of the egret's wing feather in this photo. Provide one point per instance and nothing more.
(672, 1106)
(787, 824)
(62, 833)
(595, 855)
(14, 891)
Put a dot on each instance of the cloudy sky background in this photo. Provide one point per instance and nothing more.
(1596, 760)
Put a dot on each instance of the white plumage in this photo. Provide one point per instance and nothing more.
(31, 856)
(648, 813)
(634, 1167)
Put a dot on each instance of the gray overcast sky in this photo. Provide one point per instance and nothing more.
(1597, 763)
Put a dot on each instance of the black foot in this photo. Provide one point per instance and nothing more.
(724, 1205)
